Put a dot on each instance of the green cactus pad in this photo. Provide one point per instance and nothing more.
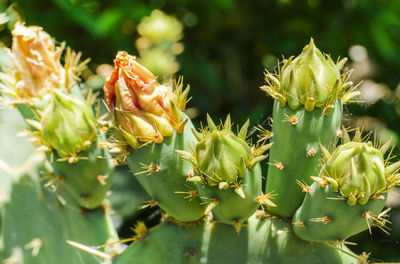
(262, 241)
(165, 244)
(326, 216)
(127, 195)
(230, 207)
(163, 174)
(295, 154)
(37, 222)
(268, 240)
(89, 179)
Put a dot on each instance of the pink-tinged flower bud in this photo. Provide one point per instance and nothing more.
(36, 61)
(144, 110)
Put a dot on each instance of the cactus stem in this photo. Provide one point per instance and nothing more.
(148, 169)
(325, 219)
(238, 226)
(304, 186)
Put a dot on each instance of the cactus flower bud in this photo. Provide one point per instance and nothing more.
(231, 177)
(358, 169)
(36, 59)
(222, 155)
(144, 111)
(309, 76)
(68, 125)
(311, 80)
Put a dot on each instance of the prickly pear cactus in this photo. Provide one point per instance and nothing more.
(309, 92)
(53, 218)
(351, 188)
(61, 121)
(230, 179)
(263, 240)
(52, 196)
(148, 118)
(208, 183)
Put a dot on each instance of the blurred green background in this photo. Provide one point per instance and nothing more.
(222, 47)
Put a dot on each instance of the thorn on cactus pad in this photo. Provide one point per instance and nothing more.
(379, 221)
(35, 245)
(265, 199)
(363, 258)
(344, 242)
(311, 152)
(90, 250)
(279, 165)
(304, 186)
(325, 219)
(293, 119)
(322, 182)
(238, 226)
(148, 169)
(300, 224)
(213, 203)
(239, 191)
(189, 194)
(148, 204)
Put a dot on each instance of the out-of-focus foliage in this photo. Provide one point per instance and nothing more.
(228, 44)
(158, 43)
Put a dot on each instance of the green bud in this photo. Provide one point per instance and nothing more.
(220, 155)
(68, 125)
(359, 170)
(310, 77)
